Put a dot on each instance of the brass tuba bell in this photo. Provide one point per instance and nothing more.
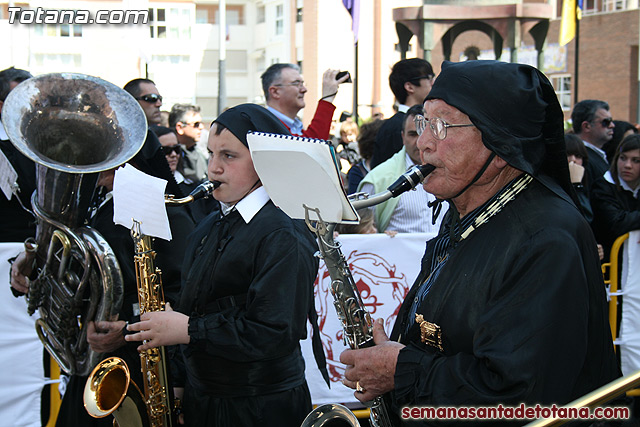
(73, 126)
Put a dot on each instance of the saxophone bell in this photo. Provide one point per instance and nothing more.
(110, 391)
(329, 415)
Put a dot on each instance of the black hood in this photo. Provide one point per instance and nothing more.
(517, 111)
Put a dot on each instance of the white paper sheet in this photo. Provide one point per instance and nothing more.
(300, 171)
(139, 196)
(8, 176)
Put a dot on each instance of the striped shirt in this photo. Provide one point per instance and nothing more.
(412, 213)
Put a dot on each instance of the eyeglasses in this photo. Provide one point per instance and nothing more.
(194, 124)
(297, 83)
(168, 149)
(606, 122)
(417, 79)
(151, 98)
(437, 125)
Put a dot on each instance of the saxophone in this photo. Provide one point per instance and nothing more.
(109, 389)
(355, 319)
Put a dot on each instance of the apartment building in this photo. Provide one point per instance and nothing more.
(179, 48)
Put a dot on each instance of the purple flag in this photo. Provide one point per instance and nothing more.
(353, 6)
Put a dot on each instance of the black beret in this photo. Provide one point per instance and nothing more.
(250, 117)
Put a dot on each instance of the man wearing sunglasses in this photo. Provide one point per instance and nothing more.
(150, 158)
(410, 81)
(147, 95)
(593, 123)
(284, 91)
(186, 121)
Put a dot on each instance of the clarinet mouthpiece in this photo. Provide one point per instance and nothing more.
(204, 190)
(410, 179)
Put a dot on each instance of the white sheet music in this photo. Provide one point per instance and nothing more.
(301, 171)
(8, 176)
(139, 196)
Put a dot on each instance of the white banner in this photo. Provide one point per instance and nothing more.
(630, 323)
(383, 268)
(21, 371)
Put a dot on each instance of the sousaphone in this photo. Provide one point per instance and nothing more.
(73, 126)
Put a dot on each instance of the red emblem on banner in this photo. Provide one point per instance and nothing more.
(382, 290)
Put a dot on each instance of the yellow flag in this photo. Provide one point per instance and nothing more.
(568, 23)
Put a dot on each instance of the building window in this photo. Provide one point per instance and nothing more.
(208, 14)
(61, 61)
(237, 60)
(614, 5)
(260, 18)
(61, 30)
(279, 20)
(170, 59)
(589, 7)
(299, 14)
(171, 23)
(562, 86)
(260, 64)
(202, 14)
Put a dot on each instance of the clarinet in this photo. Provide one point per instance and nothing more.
(352, 313)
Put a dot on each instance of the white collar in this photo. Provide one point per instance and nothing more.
(623, 184)
(178, 176)
(403, 108)
(249, 206)
(600, 152)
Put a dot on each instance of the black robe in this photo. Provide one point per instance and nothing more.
(16, 224)
(616, 212)
(247, 289)
(388, 139)
(594, 168)
(521, 304)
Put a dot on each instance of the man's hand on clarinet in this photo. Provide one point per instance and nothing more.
(370, 371)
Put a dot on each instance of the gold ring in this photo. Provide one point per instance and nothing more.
(359, 388)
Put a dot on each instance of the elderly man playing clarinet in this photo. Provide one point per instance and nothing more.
(509, 306)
